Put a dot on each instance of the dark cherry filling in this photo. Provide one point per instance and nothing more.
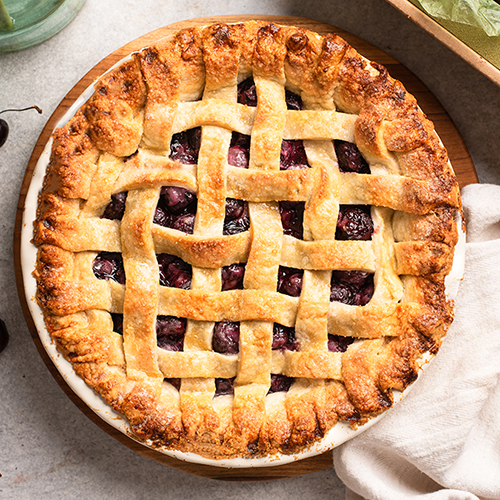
(174, 272)
(117, 322)
(290, 281)
(280, 383)
(237, 219)
(176, 209)
(224, 386)
(247, 93)
(226, 337)
(354, 223)
(349, 158)
(232, 277)
(353, 288)
(170, 332)
(336, 343)
(116, 207)
(239, 150)
(293, 155)
(109, 265)
(292, 218)
(293, 101)
(284, 338)
(185, 146)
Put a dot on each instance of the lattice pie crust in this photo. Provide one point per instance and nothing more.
(343, 356)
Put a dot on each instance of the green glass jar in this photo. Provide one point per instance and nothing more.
(24, 23)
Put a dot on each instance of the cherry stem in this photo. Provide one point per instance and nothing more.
(23, 109)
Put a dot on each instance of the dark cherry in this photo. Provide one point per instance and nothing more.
(116, 207)
(185, 146)
(176, 209)
(293, 155)
(109, 265)
(349, 158)
(184, 223)
(170, 332)
(161, 217)
(336, 343)
(342, 292)
(290, 281)
(352, 287)
(284, 338)
(364, 295)
(354, 223)
(239, 150)
(177, 199)
(292, 218)
(355, 278)
(174, 272)
(117, 322)
(224, 386)
(247, 93)
(237, 219)
(280, 383)
(293, 101)
(4, 335)
(226, 337)
(232, 277)
(4, 126)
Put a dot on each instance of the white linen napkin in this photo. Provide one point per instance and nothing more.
(442, 441)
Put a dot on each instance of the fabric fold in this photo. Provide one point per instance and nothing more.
(442, 441)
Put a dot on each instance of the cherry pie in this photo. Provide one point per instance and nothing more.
(243, 237)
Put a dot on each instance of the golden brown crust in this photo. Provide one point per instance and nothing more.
(119, 141)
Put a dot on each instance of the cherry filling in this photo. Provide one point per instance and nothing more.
(170, 332)
(116, 207)
(117, 322)
(109, 265)
(349, 158)
(290, 281)
(247, 93)
(293, 155)
(176, 209)
(284, 338)
(226, 337)
(354, 223)
(293, 101)
(224, 386)
(292, 218)
(239, 150)
(353, 288)
(237, 219)
(174, 272)
(336, 343)
(185, 146)
(280, 383)
(232, 277)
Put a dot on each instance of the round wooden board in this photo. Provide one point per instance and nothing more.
(450, 136)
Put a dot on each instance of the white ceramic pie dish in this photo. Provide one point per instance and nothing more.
(339, 434)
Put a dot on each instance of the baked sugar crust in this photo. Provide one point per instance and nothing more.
(120, 141)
